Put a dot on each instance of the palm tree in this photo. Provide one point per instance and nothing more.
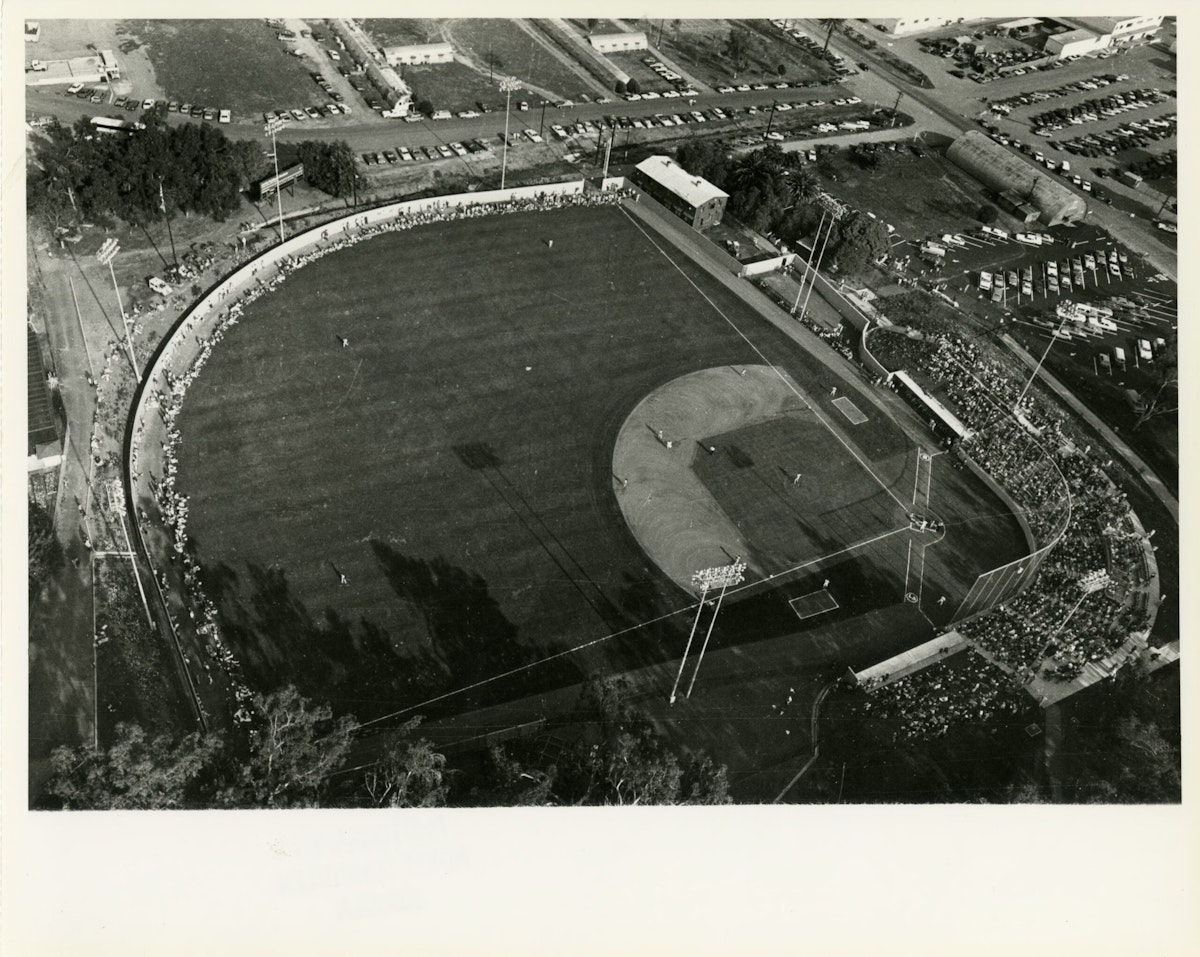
(831, 25)
(803, 186)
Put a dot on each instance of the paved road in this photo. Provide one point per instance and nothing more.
(882, 81)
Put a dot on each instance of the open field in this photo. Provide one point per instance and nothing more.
(918, 195)
(187, 57)
(511, 50)
(455, 463)
(699, 47)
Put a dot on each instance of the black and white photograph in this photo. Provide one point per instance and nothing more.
(432, 418)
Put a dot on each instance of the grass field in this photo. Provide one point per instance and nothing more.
(454, 462)
(919, 196)
(699, 47)
(513, 51)
(500, 42)
(194, 63)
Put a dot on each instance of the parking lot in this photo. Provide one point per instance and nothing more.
(1132, 314)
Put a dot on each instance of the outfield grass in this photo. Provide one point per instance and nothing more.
(454, 461)
(225, 64)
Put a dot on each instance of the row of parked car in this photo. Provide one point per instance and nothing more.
(1133, 135)
(1091, 111)
(130, 104)
(834, 59)
(406, 154)
(308, 113)
(1099, 82)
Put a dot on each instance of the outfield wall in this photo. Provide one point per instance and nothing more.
(145, 436)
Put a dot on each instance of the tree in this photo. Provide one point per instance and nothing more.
(831, 25)
(621, 87)
(410, 773)
(737, 48)
(136, 773)
(633, 86)
(513, 784)
(425, 106)
(988, 214)
(781, 69)
(294, 746)
(45, 551)
(857, 240)
(591, 25)
(329, 166)
(1161, 397)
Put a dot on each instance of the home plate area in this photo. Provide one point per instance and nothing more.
(849, 410)
(814, 603)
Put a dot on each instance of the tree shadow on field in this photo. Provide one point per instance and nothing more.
(469, 637)
(279, 641)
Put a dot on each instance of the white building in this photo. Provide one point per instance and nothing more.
(903, 26)
(1076, 43)
(1122, 29)
(619, 42)
(419, 53)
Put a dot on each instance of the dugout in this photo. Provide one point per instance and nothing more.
(945, 421)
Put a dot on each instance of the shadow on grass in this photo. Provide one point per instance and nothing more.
(363, 669)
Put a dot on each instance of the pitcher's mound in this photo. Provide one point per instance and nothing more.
(670, 511)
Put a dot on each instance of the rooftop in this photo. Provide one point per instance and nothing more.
(692, 189)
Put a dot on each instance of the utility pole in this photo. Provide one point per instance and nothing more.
(770, 119)
(542, 121)
(607, 154)
(896, 106)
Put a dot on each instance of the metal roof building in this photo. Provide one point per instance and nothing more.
(617, 42)
(418, 53)
(1002, 170)
(689, 197)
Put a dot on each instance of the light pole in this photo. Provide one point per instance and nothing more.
(723, 575)
(273, 126)
(728, 575)
(809, 261)
(106, 254)
(507, 85)
(1037, 368)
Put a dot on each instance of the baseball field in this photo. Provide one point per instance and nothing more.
(404, 482)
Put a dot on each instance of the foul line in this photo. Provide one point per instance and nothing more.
(624, 631)
(768, 363)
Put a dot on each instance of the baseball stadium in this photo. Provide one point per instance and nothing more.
(454, 468)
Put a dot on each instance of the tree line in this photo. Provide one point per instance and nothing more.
(81, 175)
(773, 191)
(296, 752)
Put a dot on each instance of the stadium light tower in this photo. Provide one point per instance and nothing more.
(723, 575)
(106, 254)
(274, 125)
(1038, 368)
(507, 85)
